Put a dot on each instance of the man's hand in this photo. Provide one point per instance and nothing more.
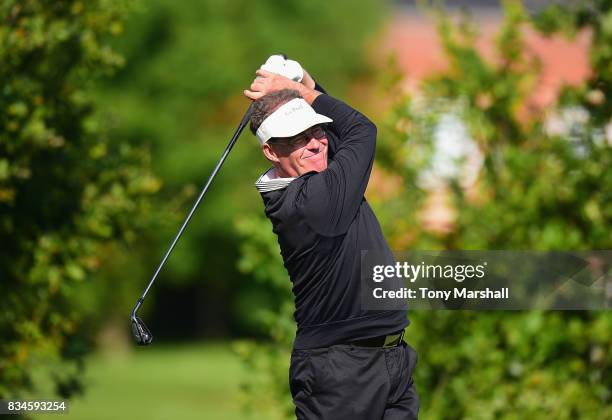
(308, 81)
(267, 82)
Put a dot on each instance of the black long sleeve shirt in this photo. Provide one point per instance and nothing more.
(323, 222)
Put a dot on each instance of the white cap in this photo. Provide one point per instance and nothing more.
(290, 119)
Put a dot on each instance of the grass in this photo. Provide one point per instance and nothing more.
(196, 381)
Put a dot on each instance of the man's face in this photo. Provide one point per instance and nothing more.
(297, 155)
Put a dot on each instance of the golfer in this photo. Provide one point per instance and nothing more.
(346, 363)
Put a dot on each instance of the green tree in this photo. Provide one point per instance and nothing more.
(67, 189)
(267, 387)
(536, 188)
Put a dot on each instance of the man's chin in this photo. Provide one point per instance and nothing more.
(316, 163)
(319, 167)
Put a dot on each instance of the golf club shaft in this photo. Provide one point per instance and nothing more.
(243, 123)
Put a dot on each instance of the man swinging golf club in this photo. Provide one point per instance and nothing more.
(346, 363)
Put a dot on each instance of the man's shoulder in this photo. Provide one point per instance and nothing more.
(293, 202)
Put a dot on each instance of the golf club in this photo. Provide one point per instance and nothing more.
(141, 333)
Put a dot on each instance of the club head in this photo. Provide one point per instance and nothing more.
(141, 333)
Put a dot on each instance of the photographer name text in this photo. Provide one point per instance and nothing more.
(427, 293)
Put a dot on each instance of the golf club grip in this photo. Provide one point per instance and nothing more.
(243, 123)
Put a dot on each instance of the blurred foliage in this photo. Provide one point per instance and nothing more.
(268, 361)
(67, 189)
(542, 183)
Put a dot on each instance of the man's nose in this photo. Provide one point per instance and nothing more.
(314, 143)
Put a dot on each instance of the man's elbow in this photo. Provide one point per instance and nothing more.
(367, 124)
(365, 129)
(372, 131)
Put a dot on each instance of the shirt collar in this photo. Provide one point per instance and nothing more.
(269, 181)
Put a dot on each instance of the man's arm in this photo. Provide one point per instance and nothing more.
(309, 82)
(330, 199)
(319, 87)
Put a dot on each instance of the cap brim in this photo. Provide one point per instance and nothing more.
(299, 126)
(290, 119)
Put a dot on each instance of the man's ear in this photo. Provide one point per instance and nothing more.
(270, 153)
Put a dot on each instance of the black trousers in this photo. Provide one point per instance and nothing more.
(351, 382)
